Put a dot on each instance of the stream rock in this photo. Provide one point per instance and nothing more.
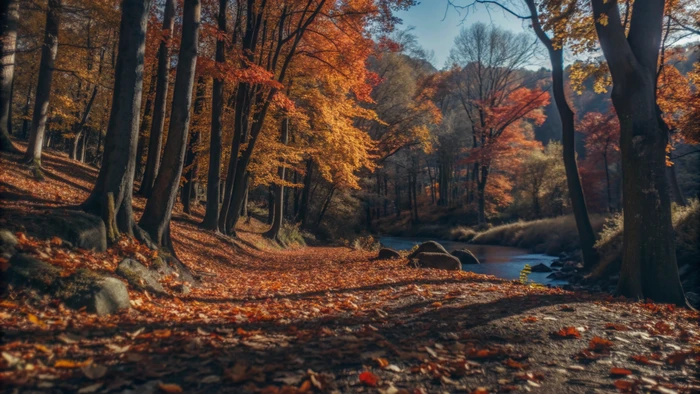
(428, 247)
(541, 267)
(465, 256)
(438, 260)
(388, 254)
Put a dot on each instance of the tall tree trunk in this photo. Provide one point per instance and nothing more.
(111, 197)
(573, 179)
(274, 231)
(649, 268)
(482, 178)
(43, 87)
(303, 215)
(155, 142)
(189, 189)
(145, 124)
(326, 204)
(27, 104)
(81, 125)
(607, 181)
(211, 217)
(676, 191)
(9, 15)
(156, 216)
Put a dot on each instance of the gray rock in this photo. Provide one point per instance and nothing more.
(438, 260)
(8, 243)
(428, 247)
(465, 256)
(139, 276)
(388, 254)
(28, 271)
(557, 263)
(559, 275)
(541, 267)
(182, 289)
(75, 228)
(102, 295)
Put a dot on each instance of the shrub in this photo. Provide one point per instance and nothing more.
(366, 243)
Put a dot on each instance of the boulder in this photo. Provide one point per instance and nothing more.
(8, 243)
(541, 267)
(76, 228)
(388, 254)
(182, 289)
(438, 260)
(465, 256)
(25, 270)
(98, 294)
(139, 276)
(557, 263)
(428, 247)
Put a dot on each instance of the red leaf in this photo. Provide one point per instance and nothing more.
(620, 372)
(567, 333)
(369, 379)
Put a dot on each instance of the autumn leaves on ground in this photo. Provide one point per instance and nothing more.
(320, 319)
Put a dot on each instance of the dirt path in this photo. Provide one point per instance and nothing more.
(324, 320)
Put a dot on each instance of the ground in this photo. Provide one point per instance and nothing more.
(322, 319)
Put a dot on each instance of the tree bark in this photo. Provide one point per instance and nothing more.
(303, 215)
(158, 212)
(81, 125)
(573, 179)
(676, 191)
(9, 16)
(211, 216)
(146, 122)
(116, 177)
(155, 142)
(43, 87)
(189, 189)
(649, 267)
(278, 216)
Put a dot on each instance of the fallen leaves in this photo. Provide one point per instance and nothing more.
(170, 388)
(600, 345)
(64, 363)
(369, 379)
(566, 333)
(620, 372)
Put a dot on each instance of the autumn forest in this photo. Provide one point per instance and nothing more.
(311, 196)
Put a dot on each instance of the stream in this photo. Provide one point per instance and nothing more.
(501, 261)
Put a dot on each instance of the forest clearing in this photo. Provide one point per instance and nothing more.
(327, 319)
(338, 196)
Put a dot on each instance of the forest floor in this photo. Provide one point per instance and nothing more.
(322, 319)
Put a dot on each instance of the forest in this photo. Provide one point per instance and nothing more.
(295, 196)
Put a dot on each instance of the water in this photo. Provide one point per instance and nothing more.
(501, 261)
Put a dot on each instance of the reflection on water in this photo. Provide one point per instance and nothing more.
(501, 261)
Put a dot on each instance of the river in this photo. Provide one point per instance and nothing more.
(501, 261)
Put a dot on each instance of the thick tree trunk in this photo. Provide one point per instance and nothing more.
(278, 216)
(156, 216)
(155, 142)
(211, 217)
(9, 15)
(573, 179)
(116, 176)
(43, 87)
(649, 267)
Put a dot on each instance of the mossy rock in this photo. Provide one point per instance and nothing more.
(102, 295)
(140, 277)
(28, 271)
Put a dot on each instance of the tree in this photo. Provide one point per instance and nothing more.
(490, 91)
(649, 267)
(111, 197)
(9, 14)
(602, 142)
(43, 86)
(274, 231)
(155, 143)
(156, 216)
(211, 216)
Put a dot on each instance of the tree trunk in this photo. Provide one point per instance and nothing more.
(27, 104)
(482, 178)
(43, 87)
(211, 217)
(9, 15)
(156, 216)
(116, 177)
(278, 216)
(649, 268)
(573, 179)
(189, 189)
(676, 191)
(304, 203)
(81, 125)
(326, 204)
(607, 181)
(155, 142)
(145, 124)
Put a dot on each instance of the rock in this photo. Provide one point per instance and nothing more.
(26, 270)
(571, 266)
(182, 289)
(8, 243)
(465, 256)
(102, 295)
(75, 228)
(388, 254)
(428, 247)
(541, 267)
(438, 260)
(140, 277)
(559, 275)
(557, 263)
(161, 267)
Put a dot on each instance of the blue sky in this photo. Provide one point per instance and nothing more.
(436, 29)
